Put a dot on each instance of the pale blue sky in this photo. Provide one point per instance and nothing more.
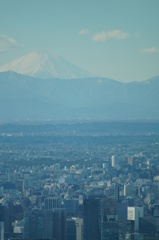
(118, 39)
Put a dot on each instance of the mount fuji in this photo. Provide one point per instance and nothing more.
(45, 64)
(24, 94)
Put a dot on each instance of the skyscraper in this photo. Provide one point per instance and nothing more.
(59, 224)
(113, 161)
(34, 224)
(109, 219)
(91, 221)
(79, 228)
(52, 202)
(100, 219)
(1, 230)
(45, 224)
(71, 229)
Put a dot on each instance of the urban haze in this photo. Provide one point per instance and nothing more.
(79, 120)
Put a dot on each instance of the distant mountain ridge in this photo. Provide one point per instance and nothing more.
(45, 64)
(23, 97)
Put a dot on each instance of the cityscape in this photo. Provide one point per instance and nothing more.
(79, 180)
(79, 120)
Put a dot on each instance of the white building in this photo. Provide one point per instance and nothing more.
(79, 228)
(113, 161)
(134, 213)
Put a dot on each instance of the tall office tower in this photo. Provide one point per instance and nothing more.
(122, 211)
(109, 219)
(59, 224)
(113, 161)
(91, 219)
(52, 202)
(71, 206)
(2, 213)
(134, 214)
(1, 230)
(100, 219)
(6, 217)
(79, 228)
(75, 229)
(34, 224)
(55, 224)
(71, 229)
(149, 226)
(45, 224)
(48, 224)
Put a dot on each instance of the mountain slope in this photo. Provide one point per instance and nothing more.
(23, 97)
(45, 64)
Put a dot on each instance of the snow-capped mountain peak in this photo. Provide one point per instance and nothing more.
(45, 64)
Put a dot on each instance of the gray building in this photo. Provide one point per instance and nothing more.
(45, 224)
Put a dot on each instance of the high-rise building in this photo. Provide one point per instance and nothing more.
(45, 224)
(1, 230)
(74, 228)
(71, 229)
(79, 228)
(100, 219)
(91, 219)
(34, 224)
(122, 211)
(52, 202)
(6, 218)
(71, 206)
(149, 225)
(113, 161)
(59, 224)
(134, 214)
(109, 219)
(2, 213)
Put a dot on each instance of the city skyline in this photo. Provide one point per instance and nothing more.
(114, 39)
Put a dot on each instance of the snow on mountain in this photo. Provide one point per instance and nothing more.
(45, 64)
